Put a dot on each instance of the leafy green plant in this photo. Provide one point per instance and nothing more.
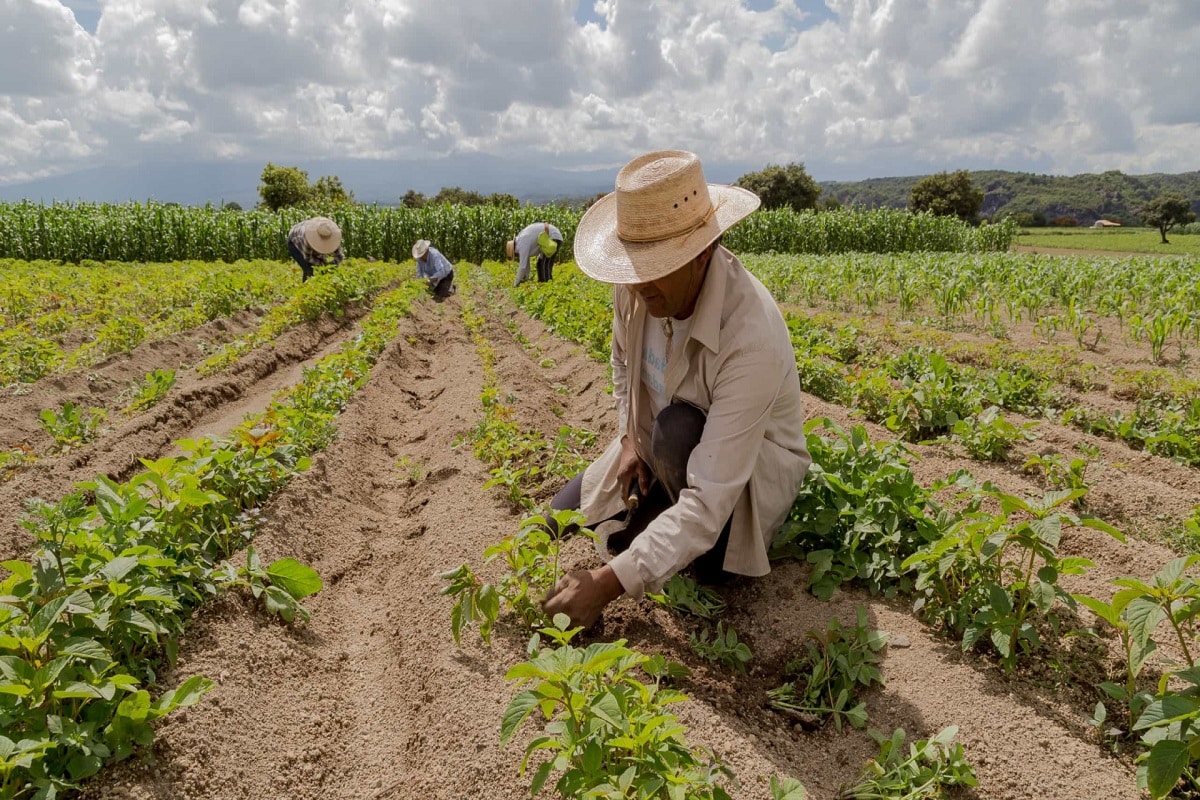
(1058, 473)
(859, 513)
(988, 436)
(835, 666)
(531, 558)
(281, 585)
(607, 733)
(14, 459)
(71, 426)
(721, 645)
(922, 772)
(413, 470)
(683, 594)
(1136, 647)
(994, 574)
(150, 390)
(1171, 596)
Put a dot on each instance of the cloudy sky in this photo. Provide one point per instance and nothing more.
(853, 88)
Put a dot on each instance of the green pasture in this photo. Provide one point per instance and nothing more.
(1123, 240)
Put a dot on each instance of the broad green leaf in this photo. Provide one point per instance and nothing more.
(118, 568)
(518, 709)
(1100, 525)
(1166, 763)
(1101, 609)
(84, 648)
(1165, 710)
(295, 578)
(1144, 616)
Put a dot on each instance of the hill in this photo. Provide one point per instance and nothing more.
(1112, 195)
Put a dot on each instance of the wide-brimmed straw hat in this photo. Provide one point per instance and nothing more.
(322, 235)
(510, 247)
(420, 248)
(661, 216)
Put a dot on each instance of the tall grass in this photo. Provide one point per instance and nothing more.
(78, 232)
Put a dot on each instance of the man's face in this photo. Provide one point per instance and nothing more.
(677, 291)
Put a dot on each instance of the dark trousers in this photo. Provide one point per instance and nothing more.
(444, 288)
(545, 268)
(677, 431)
(306, 270)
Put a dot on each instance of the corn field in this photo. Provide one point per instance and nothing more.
(156, 232)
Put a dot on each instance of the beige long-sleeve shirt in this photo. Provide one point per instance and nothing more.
(739, 368)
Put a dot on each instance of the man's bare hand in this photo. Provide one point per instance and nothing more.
(632, 467)
(583, 594)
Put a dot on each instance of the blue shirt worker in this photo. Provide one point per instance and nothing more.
(311, 241)
(539, 240)
(435, 268)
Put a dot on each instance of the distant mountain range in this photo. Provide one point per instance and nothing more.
(1085, 198)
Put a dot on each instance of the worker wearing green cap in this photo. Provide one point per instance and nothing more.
(540, 240)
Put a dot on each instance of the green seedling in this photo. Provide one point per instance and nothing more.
(531, 559)
(281, 585)
(837, 664)
(684, 595)
(606, 733)
(988, 436)
(412, 470)
(721, 646)
(922, 772)
(71, 426)
(150, 390)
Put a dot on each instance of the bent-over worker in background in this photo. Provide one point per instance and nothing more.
(710, 429)
(435, 268)
(310, 241)
(538, 240)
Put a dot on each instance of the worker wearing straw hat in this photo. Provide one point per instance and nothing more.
(539, 240)
(711, 448)
(435, 268)
(311, 241)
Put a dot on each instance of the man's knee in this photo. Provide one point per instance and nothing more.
(677, 431)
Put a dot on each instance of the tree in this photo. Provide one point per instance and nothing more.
(413, 199)
(329, 189)
(283, 186)
(456, 195)
(502, 200)
(947, 194)
(232, 205)
(780, 187)
(1165, 212)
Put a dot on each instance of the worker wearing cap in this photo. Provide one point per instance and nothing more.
(311, 241)
(435, 268)
(540, 240)
(710, 448)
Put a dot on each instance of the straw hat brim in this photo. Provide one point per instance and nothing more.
(322, 246)
(420, 248)
(602, 255)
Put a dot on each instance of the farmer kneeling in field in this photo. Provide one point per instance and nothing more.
(706, 389)
(540, 239)
(311, 240)
(434, 268)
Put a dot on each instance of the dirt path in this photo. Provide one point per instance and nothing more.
(373, 700)
(1080, 251)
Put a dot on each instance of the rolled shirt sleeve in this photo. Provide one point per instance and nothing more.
(718, 471)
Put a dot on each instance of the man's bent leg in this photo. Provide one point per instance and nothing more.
(677, 431)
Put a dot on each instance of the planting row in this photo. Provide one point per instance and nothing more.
(1156, 300)
(57, 317)
(88, 624)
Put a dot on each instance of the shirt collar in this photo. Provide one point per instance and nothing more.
(706, 319)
